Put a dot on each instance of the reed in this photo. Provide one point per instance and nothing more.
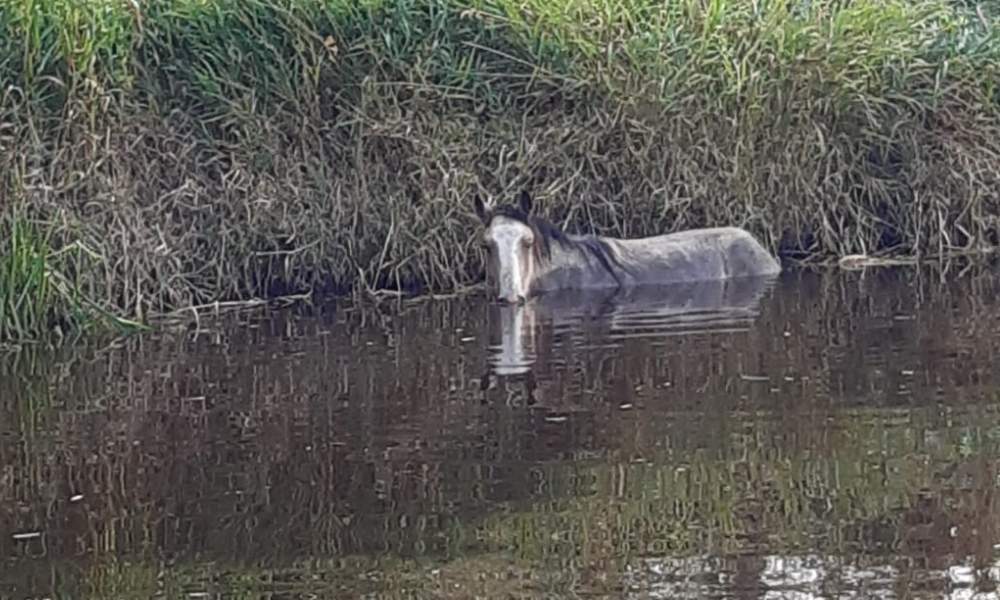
(26, 296)
(38, 301)
(241, 149)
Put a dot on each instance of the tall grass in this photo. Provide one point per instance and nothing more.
(26, 295)
(249, 148)
(35, 299)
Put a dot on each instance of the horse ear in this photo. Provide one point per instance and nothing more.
(526, 202)
(481, 210)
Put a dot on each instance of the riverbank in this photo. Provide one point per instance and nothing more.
(184, 153)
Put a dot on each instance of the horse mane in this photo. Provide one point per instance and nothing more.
(547, 233)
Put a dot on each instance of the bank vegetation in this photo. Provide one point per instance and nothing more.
(173, 153)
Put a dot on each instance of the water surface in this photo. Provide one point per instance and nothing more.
(822, 435)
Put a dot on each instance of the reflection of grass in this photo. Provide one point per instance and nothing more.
(26, 387)
(751, 493)
(116, 579)
(489, 576)
(815, 475)
(748, 494)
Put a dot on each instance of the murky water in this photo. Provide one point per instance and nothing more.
(819, 436)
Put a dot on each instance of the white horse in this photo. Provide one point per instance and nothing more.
(529, 256)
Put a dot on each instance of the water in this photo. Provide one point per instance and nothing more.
(824, 435)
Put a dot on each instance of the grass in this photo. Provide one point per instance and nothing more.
(36, 300)
(241, 149)
(27, 296)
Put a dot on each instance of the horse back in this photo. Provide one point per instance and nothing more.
(693, 255)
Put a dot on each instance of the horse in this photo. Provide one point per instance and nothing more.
(529, 256)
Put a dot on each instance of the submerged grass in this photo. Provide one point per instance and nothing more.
(240, 149)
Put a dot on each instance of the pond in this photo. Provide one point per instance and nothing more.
(826, 434)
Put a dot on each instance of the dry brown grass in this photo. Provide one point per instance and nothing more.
(250, 150)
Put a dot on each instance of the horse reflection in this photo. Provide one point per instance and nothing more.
(652, 312)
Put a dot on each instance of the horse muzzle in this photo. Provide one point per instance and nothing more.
(511, 299)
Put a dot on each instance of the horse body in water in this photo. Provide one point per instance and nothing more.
(529, 256)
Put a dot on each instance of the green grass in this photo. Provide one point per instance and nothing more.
(36, 300)
(236, 149)
(27, 296)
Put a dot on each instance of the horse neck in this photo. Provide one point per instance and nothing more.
(573, 253)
